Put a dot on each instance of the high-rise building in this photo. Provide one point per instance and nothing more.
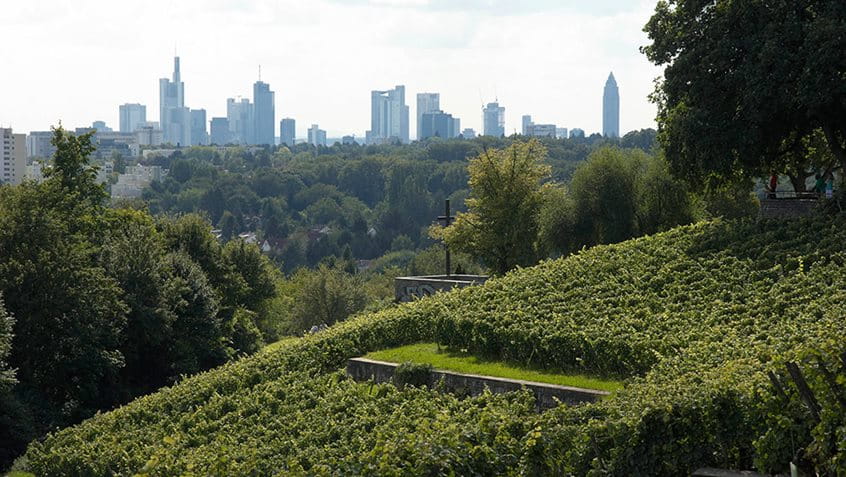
(576, 132)
(241, 121)
(493, 120)
(611, 108)
(149, 134)
(287, 131)
(437, 124)
(100, 126)
(131, 115)
(199, 136)
(174, 117)
(40, 144)
(527, 121)
(12, 157)
(264, 114)
(220, 132)
(316, 136)
(561, 133)
(388, 117)
(468, 133)
(426, 102)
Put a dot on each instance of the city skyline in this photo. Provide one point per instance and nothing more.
(324, 75)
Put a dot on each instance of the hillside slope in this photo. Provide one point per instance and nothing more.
(692, 318)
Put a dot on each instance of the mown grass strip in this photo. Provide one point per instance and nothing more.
(454, 360)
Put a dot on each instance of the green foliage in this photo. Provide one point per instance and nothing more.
(501, 225)
(694, 317)
(325, 295)
(745, 83)
(7, 375)
(412, 374)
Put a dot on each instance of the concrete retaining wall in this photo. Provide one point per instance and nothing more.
(362, 369)
(409, 288)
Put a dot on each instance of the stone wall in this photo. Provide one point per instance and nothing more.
(787, 208)
(410, 288)
(547, 395)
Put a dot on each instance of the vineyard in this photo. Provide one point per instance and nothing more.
(691, 319)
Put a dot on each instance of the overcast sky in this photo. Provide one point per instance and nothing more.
(78, 61)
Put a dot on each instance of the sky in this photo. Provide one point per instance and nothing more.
(76, 62)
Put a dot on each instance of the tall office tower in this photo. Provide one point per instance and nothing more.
(241, 121)
(39, 144)
(611, 108)
(264, 114)
(316, 136)
(288, 131)
(12, 157)
(456, 130)
(426, 103)
(131, 116)
(388, 117)
(527, 121)
(561, 133)
(493, 120)
(199, 136)
(220, 134)
(437, 124)
(174, 117)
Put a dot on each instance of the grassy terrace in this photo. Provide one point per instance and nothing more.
(452, 360)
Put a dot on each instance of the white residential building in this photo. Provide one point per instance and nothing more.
(136, 178)
(12, 157)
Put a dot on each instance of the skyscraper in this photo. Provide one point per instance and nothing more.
(131, 116)
(426, 102)
(174, 117)
(388, 116)
(241, 121)
(264, 114)
(199, 136)
(220, 134)
(611, 108)
(316, 136)
(288, 132)
(527, 121)
(493, 120)
(12, 157)
(437, 124)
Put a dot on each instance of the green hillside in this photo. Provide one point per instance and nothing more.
(692, 319)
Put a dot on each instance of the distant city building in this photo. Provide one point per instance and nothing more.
(136, 178)
(468, 133)
(101, 126)
(316, 136)
(199, 136)
(131, 116)
(437, 124)
(149, 134)
(111, 143)
(561, 133)
(264, 114)
(12, 157)
(541, 130)
(426, 102)
(611, 108)
(35, 171)
(527, 121)
(288, 131)
(493, 120)
(348, 140)
(576, 132)
(174, 117)
(241, 121)
(388, 117)
(220, 132)
(39, 144)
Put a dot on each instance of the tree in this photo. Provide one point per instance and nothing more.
(7, 375)
(745, 82)
(501, 225)
(326, 296)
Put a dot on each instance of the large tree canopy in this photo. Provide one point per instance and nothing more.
(747, 83)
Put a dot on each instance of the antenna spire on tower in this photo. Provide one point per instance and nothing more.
(259, 72)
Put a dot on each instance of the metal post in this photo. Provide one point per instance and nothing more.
(446, 247)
